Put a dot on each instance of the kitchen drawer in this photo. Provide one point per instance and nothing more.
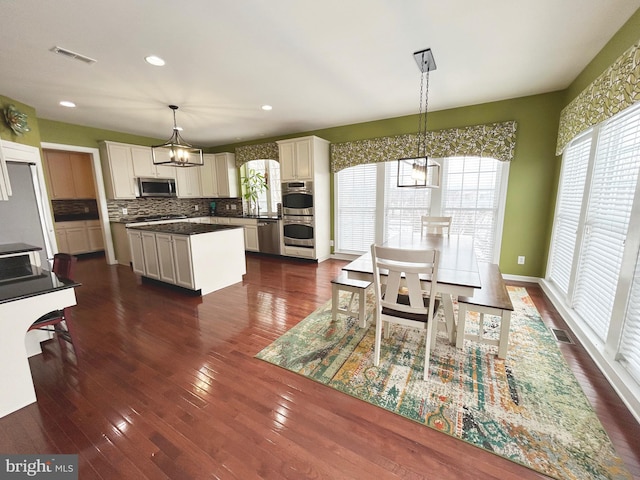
(299, 252)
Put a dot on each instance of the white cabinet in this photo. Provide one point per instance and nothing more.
(250, 227)
(164, 246)
(307, 158)
(143, 166)
(151, 267)
(117, 167)
(297, 158)
(79, 237)
(137, 253)
(188, 182)
(219, 175)
(182, 260)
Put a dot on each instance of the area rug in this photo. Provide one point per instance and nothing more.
(528, 408)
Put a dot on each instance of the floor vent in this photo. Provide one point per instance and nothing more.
(562, 336)
(76, 56)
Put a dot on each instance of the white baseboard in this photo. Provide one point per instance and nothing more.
(521, 278)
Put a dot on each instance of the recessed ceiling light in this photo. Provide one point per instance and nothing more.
(68, 104)
(154, 60)
(266, 107)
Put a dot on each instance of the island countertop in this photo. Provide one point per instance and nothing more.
(183, 228)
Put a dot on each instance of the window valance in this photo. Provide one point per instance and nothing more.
(617, 88)
(261, 151)
(495, 140)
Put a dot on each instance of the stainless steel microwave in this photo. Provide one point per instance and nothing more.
(156, 187)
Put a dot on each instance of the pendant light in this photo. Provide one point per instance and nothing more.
(421, 171)
(176, 151)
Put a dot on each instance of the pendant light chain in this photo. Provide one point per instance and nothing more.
(422, 119)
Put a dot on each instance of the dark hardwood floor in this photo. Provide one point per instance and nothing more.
(164, 385)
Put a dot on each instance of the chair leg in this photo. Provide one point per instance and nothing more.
(427, 349)
(378, 342)
(362, 311)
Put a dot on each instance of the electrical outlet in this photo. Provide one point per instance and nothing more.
(196, 207)
(521, 260)
(227, 207)
(233, 206)
(125, 211)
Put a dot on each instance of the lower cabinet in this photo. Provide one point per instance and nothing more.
(79, 237)
(250, 227)
(162, 256)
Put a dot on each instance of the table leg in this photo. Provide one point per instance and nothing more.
(447, 305)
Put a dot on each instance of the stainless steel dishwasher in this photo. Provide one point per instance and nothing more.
(269, 236)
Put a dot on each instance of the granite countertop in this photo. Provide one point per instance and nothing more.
(45, 282)
(76, 217)
(9, 248)
(183, 228)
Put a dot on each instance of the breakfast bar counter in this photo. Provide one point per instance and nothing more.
(23, 301)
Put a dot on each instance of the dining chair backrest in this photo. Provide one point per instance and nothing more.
(402, 271)
(64, 265)
(435, 225)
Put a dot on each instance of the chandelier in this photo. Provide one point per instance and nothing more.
(176, 151)
(421, 171)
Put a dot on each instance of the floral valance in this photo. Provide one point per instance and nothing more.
(496, 140)
(262, 151)
(615, 89)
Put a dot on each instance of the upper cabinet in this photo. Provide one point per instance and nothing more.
(188, 182)
(300, 156)
(143, 166)
(117, 169)
(69, 175)
(219, 175)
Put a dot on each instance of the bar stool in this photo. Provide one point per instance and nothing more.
(343, 283)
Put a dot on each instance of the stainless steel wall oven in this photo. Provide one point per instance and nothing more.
(298, 231)
(297, 198)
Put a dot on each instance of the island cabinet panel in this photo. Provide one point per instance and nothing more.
(182, 258)
(137, 253)
(150, 253)
(165, 257)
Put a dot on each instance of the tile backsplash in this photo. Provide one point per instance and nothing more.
(75, 207)
(143, 207)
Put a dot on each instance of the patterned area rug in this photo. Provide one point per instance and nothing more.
(528, 408)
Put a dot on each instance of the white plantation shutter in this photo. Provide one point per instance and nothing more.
(569, 203)
(609, 205)
(403, 206)
(471, 195)
(629, 351)
(355, 208)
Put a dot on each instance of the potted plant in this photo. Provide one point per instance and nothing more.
(253, 184)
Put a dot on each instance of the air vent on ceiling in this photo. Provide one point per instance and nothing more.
(68, 53)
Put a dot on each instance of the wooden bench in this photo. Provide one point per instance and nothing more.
(491, 299)
(343, 283)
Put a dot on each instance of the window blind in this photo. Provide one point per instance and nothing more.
(609, 205)
(355, 208)
(471, 194)
(629, 351)
(575, 164)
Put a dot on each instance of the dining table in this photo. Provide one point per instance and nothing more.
(458, 273)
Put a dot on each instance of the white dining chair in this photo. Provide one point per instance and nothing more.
(400, 296)
(434, 225)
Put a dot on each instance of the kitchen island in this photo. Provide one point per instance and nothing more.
(196, 256)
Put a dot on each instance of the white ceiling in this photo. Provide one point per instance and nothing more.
(319, 63)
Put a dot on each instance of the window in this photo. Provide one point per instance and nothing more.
(569, 206)
(593, 265)
(269, 199)
(371, 207)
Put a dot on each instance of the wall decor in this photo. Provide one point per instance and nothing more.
(16, 120)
